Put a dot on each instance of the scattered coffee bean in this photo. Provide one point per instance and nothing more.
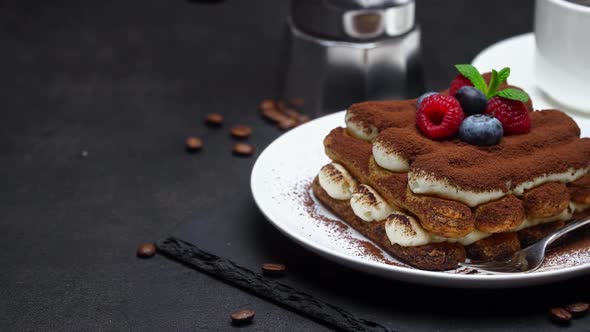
(267, 104)
(193, 144)
(293, 114)
(287, 124)
(273, 270)
(146, 250)
(578, 309)
(243, 149)
(304, 118)
(296, 116)
(241, 131)
(214, 119)
(285, 115)
(242, 317)
(560, 315)
(274, 115)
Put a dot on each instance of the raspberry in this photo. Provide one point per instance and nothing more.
(439, 116)
(459, 82)
(513, 115)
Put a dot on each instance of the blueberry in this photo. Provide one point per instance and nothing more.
(481, 129)
(472, 100)
(424, 95)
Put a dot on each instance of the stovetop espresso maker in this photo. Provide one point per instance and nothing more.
(338, 52)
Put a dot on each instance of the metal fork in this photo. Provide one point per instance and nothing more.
(528, 259)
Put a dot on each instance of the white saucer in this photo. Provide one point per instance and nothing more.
(518, 53)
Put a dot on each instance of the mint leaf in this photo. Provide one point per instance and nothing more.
(513, 94)
(473, 75)
(494, 84)
(503, 74)
(497, 79)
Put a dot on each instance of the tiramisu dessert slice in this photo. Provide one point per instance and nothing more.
(469, 172)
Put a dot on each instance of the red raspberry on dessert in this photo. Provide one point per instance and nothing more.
(513, 115)
(439, 117)
(459, 82)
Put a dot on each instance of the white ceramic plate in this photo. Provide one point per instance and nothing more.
(280, 186)
(280, 180)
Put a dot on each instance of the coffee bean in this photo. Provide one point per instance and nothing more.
(304, 118)
(274, 115)
(242, 317)
(293, 114)
(267, 104)
(298, 117)
(243, 149)
(578, 309)
(193, 144)
(241, 131)
(214, 119)
(273, 270)
(560, 315)
(287, 124)
(146, 250)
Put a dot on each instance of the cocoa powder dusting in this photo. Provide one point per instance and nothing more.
(370, 251)
(363, 248)
(384, 114)
(552, 146)
(304, 194)
(574, 251)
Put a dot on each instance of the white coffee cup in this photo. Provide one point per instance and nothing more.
(562, 57)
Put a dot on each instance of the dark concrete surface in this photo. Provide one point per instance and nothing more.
(127, 81)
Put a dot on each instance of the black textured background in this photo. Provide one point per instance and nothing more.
(127, 81)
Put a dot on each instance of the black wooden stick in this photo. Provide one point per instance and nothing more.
(269, 289)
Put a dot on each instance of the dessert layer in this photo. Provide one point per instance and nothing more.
(501, 215)
(367, 119)
(434, 256)
(579, 207)
(439, 216)
(580, 190)
(565, 215)
(368, 205)
(546, 200)
(406, 230)
(421, 182)
(474, 175)
(336, 180)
